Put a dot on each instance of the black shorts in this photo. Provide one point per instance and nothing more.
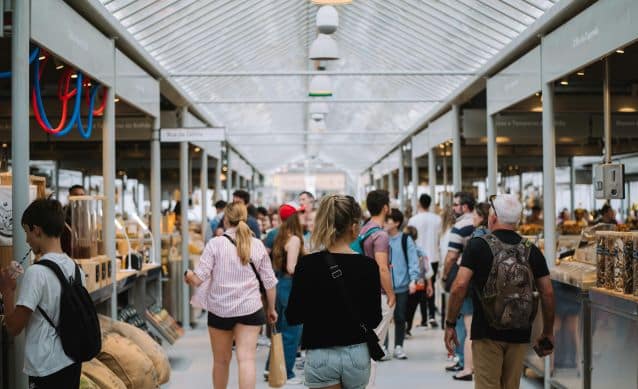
(228, 323)
(69, 377)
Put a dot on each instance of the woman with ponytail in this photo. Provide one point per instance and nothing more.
(327, 287)
(287, 250)
(232, 270)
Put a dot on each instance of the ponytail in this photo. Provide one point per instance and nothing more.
(244, 242)
(335, 217)
(236, 214)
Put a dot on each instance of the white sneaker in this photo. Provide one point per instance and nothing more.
(387, 355)
(399, 353)
(266, 374)
(294, 381)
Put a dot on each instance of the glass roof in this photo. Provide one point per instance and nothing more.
(224, 54)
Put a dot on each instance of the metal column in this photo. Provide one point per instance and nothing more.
(156, 199)
(456, 150)
(402, 181)
(183, 188)
(415, 180)
(203, 185)
(391, 184)
(218, 179)
(549, 187)
(19, 157)
(492, 157)
(607, 111)
(108, 172)
(432, 174)
(229, 179)
(572, 187)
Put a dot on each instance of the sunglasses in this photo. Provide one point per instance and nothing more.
(491, 200)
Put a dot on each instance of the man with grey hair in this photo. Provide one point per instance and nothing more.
(508, 275)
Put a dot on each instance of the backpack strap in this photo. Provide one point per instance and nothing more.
(64, 283)
(367, 235)
(404, 246)
(262, 288)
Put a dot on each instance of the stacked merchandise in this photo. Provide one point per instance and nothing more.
(129, 359)
(617, 255)
(130, 315)
(164, 323)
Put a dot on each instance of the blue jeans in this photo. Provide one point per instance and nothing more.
(291, 335)
(461, 332)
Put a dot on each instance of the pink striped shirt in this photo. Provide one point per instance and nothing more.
(231, 289)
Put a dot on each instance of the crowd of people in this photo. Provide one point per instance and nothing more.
(336, 277)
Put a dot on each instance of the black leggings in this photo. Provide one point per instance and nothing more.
(67, 378)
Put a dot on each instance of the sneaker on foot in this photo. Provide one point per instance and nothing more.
(433, 323)
(408, 334)
(399, 353)
(266, 373)
(294, 381)
(387, 355)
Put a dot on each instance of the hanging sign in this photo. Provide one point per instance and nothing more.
(206, 134)
(515, 83)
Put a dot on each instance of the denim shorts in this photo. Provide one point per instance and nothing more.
(468, 307)
(347, 365)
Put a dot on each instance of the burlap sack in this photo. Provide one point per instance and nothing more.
(128, 362)
(101, 375)
(86, 383)
(150, 347)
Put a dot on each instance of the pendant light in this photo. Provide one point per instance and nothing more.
(324, 48)
(320, 86)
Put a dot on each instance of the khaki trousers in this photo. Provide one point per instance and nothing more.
(382, 332)
(498, 365)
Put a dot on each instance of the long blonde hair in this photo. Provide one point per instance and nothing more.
(335, 217)
(236, 214)
(447, 219)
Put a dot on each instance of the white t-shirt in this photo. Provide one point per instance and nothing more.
(43, 353)
(428, 225)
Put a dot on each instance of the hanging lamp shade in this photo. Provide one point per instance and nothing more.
(318, 107)
(324, 48)
(327, 19)
(317, 117)
(320, 86)
(317, 126)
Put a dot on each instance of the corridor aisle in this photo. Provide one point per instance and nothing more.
(191, 362)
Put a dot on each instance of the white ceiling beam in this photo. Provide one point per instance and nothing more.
(398, 73)
(241, 100)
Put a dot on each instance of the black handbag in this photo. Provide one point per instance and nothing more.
(372, 340)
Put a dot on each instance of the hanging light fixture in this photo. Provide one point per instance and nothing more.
(327, 19)
(324, 48)
(320, 86)
(317, 117)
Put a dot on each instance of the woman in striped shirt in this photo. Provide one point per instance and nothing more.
(228, 276)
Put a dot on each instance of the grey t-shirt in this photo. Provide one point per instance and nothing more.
(43, 354)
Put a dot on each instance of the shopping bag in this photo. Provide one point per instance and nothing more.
(277, 375)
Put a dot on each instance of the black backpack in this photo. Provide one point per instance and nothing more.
(79, 327)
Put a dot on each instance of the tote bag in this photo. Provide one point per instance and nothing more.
(277, 375)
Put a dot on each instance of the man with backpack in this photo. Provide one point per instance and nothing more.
(509, 275)
(62, 328)
(405, 274)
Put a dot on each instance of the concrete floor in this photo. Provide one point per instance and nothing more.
(191, 360)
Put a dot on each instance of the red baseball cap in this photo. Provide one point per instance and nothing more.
(287, 210)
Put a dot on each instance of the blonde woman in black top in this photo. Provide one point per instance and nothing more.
(337, 355)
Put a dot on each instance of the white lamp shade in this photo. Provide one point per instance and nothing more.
(324, 48)
(324, 2)
(318, 108)
(327, 19)
(320, 86)
(317, 117)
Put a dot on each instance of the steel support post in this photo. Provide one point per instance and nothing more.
(492, 157)
(184, 196)
(156, 199)
(402, 181)
(607, 111)
(549, 188)
(572, 187)
(108, 172)
(456, 150)
(415, 180)
(203, 185)
(432, 173)
(19, 157)
(391, 188)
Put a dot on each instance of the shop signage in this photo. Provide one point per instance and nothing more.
(211, 134)
(515, 83)
(63, 32)
(136, 86)
(622, 126)
(420, 144)
(597, 31)
(440, 130)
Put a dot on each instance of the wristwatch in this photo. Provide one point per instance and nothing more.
(450, 324)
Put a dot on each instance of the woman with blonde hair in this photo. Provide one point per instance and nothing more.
(286, 251)
(232, 271)
(336, 295)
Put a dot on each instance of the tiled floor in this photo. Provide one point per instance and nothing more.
(191, 361)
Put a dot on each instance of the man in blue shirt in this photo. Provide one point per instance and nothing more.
(405, 273)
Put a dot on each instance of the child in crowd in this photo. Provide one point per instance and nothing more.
(424, 288)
